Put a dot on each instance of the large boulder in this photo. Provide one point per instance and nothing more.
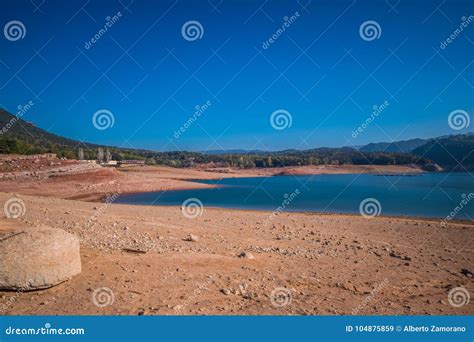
(37, 258)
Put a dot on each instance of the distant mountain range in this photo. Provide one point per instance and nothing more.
(402, 146)
(396, 146)
(235, 151)
(451, 152)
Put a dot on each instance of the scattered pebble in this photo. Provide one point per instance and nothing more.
(246, 255)
(192, 238)
(225, 291)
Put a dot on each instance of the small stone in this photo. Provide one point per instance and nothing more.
(225, 291)
(246, 255)
(467, 273)
(192, 238)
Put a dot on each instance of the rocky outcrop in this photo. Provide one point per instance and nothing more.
(37, 258)
(431, 167)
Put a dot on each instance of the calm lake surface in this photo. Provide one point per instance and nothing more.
(428, 195)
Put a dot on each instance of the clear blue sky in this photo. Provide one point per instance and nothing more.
(319, 69)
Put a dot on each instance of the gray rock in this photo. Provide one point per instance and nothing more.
(226, 291)
(246, 255)
(37, 258)
(192, 238)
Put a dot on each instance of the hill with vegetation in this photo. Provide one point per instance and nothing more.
(454, 152)
(20, 137)
(396, 146)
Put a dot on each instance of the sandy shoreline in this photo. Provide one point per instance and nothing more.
(90, 182)
(326, 263)
(329, 263)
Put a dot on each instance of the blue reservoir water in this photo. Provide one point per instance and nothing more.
(428, 194)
